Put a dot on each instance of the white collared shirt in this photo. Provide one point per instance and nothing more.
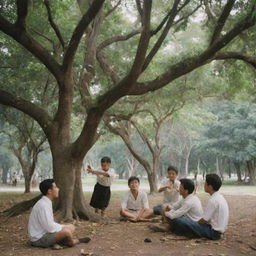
(172, 195)
(41, 220)
(104, 180)
(189, 207)
(141, 202)
(217, 212)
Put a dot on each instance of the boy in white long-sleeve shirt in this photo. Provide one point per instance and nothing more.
(215, 218)
(188, 207)
(42, 229)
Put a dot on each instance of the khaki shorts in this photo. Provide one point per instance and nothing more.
(47, 240)
(133, 211)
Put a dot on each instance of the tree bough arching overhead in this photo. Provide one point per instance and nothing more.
(94, 78)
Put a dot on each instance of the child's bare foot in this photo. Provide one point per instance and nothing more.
(103, 214)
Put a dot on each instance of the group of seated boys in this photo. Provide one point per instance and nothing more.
(181, 211)
(182, 216)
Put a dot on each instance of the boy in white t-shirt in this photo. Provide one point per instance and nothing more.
(134, 206)
(170, 186)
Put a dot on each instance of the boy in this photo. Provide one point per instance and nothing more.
(43, 230)
(189, 207)
(101, 194)
(170, 187)
(134, 206)
(215, 218)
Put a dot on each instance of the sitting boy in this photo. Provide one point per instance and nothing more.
(189, 207)
(43, 230)
(215, 218)
(134, 206)
(170, 187)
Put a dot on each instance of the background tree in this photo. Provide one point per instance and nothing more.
(25, 142)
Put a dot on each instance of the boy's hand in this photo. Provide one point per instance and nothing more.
(176, 187)
(89, 169)
(167, 208)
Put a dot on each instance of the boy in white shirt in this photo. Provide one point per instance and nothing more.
(42, 229)
(215, 218)
(170, 187)
(189, 207)
(102, 193)
(134, 206)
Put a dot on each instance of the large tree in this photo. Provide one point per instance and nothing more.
(85, 78)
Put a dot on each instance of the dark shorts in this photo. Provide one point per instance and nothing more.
(48, 240)
(158, 209)
(100, 197)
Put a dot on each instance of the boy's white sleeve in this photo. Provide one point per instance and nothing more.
(173, 214)
(124, 201)
(176, 205)
(145, 203)
(111, 173)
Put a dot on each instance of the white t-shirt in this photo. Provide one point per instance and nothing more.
(172, 195)
(104, 180)
(189, 207)
(41, 220)
(217, 212)
(141, 202)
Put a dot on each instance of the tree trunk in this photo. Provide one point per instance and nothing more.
(67, 175)
(198, 166)
(5, 174)
(27, 184)
(152, 180)
(186, 165)
(251, 172)
(238, 171)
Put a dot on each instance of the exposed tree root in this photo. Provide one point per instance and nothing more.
(21, 207)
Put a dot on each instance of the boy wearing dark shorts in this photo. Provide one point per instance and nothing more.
(42, 229)
(102, 193)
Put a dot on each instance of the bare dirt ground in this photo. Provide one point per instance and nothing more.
(125, 238)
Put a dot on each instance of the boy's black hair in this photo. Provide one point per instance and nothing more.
(105, 159)
(45, 185)
(214, 180)
(132, 178)
(172, 168)
(188, 185)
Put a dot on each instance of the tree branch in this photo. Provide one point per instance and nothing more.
(139, 7)
(22, 37)
(37, 113)
(22, 11)
(160, 40)
(124, 134)
(111, 10)
(119, 38)
(222, 20)
(107, 68)
(187, 65)
(79, 31)
(236, 55)
(143, 137)
(52, 23)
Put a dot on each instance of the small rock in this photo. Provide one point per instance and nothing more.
(147, 240)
